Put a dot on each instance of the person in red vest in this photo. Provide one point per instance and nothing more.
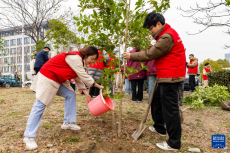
(205, 71)
(192, 71)
(96, 69)
(54, 78)
(169, 55)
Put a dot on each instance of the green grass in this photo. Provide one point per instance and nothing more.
(72, 139)
(2, 100)
(47, 126)
(62, 115)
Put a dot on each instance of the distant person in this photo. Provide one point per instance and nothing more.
(151, 74)
(16, 76)
(137, 79)
(205, 71)
(41, 58)
(32, 71)
(96, 69)
(192, 71)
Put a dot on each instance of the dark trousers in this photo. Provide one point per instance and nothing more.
(192, 82)
(94, 91)
(165, 109)
(137, 95)
(37, 70)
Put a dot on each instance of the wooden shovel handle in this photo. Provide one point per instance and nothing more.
(150, 102)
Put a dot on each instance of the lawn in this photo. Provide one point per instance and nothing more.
(16, 104)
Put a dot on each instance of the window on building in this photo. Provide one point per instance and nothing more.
(32, 48)
(6, 52)
(32, 41)
(13, 69)
(19, 68)
(27, 40)
(19, 50)
(13, 60)
(27, 50)
(6, 43)
(19, 41)
(27, 59)
(19, 59)
(0, 52)
(12, 42)
(13, 51)
(6, 69)
(27, 68)
(6, 60)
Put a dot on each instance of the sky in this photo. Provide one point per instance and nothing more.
(208, 44)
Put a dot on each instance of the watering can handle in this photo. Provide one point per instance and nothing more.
(102, 96)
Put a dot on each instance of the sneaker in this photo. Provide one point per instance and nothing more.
(134, 101)
(30, 143)
(165, 146)
(151, 128)
(139, 101)
(70, 126)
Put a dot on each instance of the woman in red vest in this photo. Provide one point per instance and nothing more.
(54, 78)
(205, 71)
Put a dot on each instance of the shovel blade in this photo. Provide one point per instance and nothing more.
(140, 129)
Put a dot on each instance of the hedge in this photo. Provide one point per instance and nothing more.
(221, 78)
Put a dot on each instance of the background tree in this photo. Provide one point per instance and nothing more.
(112, 25)
(35, 13)
(60, 34)
(214, 14)
(223, 62)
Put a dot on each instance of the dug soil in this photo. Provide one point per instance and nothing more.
(96, 133)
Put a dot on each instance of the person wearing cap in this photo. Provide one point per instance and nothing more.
(169, 55)
(192, 71)
(41, 58)
(205, 71)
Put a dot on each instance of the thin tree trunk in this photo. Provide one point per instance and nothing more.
(123, 79)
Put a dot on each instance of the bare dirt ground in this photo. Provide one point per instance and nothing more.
(16, 104)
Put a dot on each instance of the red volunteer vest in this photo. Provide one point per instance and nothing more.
(205, 76)
(97, 64)
(172, 64)
(57, 69)
(193, 69)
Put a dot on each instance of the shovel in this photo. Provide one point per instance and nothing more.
(140, 129)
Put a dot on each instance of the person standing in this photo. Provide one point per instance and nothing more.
(192, 71)
(151, 75)
(54, 78)
(169, 55)
(137, 79)
(41, 58)
(32, 71)
(205, 71)
(96, 69)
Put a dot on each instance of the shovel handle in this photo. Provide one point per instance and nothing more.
(150, 102)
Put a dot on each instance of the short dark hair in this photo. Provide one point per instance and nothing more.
(46, 48)
(88, 51)
(206, 64)
(191, 55)
(152, 19)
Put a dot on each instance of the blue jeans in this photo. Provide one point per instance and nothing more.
(38, 109)
(128, 87)
(151, 81)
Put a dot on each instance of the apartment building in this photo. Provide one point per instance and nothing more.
(11, 56)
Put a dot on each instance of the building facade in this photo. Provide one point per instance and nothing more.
(11, 56)
(227, 56)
